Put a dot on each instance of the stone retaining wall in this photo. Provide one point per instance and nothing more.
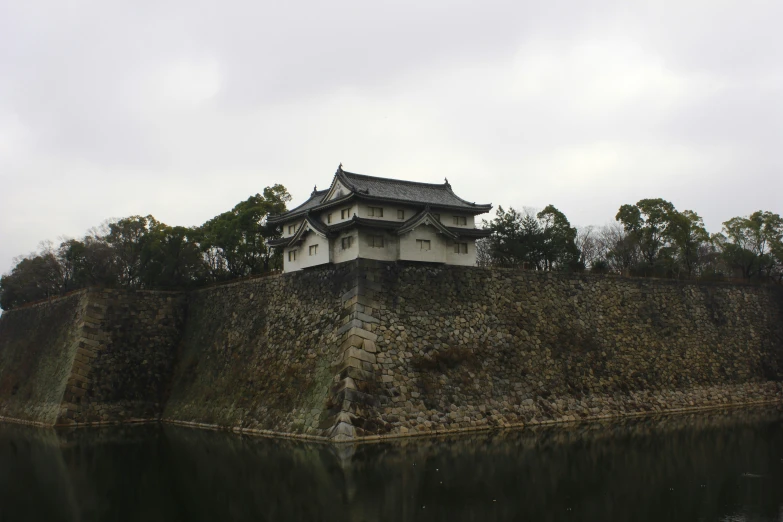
(93, 357)
(124, 357)
(257, 355)
(374, 350)
(367, 350)
(461, 349)
(37, 348)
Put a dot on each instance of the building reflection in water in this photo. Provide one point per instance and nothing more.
(711, 466)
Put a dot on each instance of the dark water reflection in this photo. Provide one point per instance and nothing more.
(720, 466)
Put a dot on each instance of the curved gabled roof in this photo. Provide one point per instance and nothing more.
(440, 195)
(307, 225)
(425, 217)
(315, 199)
(373, 188)
(311, 204)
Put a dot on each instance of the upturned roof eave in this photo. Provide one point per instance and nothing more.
(345, 178)
(315, 225)
(278, 241)
(365, 223)
(472, 210)
(394, 226)
(282, 218)
(425, 217)
(473, 233)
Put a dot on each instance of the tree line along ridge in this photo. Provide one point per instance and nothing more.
(649, 239)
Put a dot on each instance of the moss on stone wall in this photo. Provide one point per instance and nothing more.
(93, 357)
(37, 348)
(127, 351)
(257, 354)
(466, 348)
(368, 348)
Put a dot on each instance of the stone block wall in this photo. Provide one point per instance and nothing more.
(124, 357)
(369, 349)
(463, 349)
(96, 356)
(37, 348)
(259, 355)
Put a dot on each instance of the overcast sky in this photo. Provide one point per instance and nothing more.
(182, 109)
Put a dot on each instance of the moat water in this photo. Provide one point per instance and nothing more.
(723, 466)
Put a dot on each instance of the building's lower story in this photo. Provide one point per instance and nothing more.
(426, 241)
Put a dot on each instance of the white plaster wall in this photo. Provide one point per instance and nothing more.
(292, 266)
(336, 212)
(338, 255)
(447, 218)
(303, 256)
(339, 191)
(296, 224)
(468, 259)
(395, 247)
(389, 252)
(389, 211)
(410, 251)
(390, 214)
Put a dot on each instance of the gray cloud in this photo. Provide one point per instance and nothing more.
(181, 109)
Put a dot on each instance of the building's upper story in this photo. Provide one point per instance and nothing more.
(384, 213)
(383, 199)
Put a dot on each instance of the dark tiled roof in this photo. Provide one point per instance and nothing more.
(314, 201)
(314, 223)
(308, 206)
(421, 217)
(436, 195)
(364, 222)
(386, 189)
(318, 225)
(476, 233)
(278, 242)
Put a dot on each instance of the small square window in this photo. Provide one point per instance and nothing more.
(347, 242)
(460, 248)
(400, 214)
(376, 241)
(460, 220)
(345, 213)
(291, 229)
(292, 255)
(375, 211)
(423, 244)
(313, 250)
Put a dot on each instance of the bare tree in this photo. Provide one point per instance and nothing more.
(587, 244)
(483, 252)
(616, 248)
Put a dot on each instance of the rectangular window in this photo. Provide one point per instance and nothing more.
(347, 242)
(460, 248)
(345, 213)
(423, 244)
(375, 211)
(292, 255)
(291, 229)
(328, 218)
(376, 241)
(400, 214)
(460, 220)
(313, 250)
